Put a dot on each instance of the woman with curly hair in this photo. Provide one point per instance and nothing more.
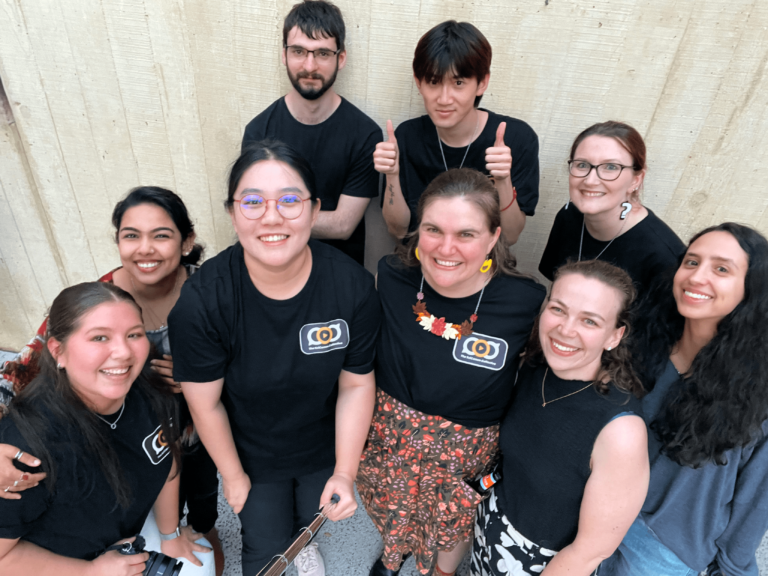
(574, 448)
(701, 348)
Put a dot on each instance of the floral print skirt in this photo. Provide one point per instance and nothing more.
(500, 550)
(411, 480)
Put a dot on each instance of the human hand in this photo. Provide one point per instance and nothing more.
(164, 367)
(386, 157)
(236, 490)
(184, 546)
(113, 563)
(344, 487)
(13, 480)
(498, 158)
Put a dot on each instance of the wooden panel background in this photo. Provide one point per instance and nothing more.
(104, 95)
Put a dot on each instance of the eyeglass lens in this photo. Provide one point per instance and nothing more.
(608, 171)
(300, 53)
(254, 206)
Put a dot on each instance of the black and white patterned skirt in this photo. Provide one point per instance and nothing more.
(500, 550)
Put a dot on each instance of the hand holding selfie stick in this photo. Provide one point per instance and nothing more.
(280, 562)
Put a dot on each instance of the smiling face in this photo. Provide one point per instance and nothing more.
(310, 77)
(710, 281)
(450, 101)
(150, 244)
(273, 241)
(104, 355)
(577, 324)
(591, 195)
(454, 241)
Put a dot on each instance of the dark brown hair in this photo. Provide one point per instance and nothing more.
(456, 48)
(316, 18)
(615, 364)
(624, 134)
(476, 188)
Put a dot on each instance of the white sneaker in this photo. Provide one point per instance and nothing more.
(309, 562)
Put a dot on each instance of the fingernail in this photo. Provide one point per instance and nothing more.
(36, 463)
(25, 476)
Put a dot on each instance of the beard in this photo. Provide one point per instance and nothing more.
(312, 93)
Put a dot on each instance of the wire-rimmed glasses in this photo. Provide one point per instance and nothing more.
(289, 206)
(301, 53)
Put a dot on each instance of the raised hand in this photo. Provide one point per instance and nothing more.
(386, 157)
(498, 158)
(12, 479)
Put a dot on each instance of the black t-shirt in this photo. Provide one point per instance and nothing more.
(421, 160)
(340, 151)
(81, 518)
(644, 251)
(280, 359)
(467, 381)
(546, 452)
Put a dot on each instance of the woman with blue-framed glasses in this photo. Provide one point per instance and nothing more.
(604, 218)
(275, 343)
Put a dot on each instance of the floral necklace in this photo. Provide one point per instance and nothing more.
(438, 326)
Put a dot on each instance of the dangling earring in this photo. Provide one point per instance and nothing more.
(417, 255)
(627, 209)
(568, 203)
(486, 265)
(59, 366)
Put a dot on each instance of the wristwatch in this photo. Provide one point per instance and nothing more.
(172, 536)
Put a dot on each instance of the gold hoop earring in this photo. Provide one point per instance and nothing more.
(417, 254)
(486, 265)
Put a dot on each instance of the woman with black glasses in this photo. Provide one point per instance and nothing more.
(604, 218)
(273, 342)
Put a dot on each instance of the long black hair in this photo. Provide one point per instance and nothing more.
(50, 400)
(168, 201)
(723, 399)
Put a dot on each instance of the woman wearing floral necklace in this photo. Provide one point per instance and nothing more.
(456, 316)
(604, 218)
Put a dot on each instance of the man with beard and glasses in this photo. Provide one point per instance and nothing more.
(334, 136)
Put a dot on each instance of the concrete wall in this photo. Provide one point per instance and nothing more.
(104, 95)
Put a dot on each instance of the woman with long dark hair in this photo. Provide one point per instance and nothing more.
(102, 423)
(574, 447)
(156, 241)
(273, 342)
(604, 218)
(701, 349)
(457, 313)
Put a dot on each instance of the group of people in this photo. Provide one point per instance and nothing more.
(622, 414)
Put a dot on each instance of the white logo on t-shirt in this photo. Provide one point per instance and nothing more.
(324, 337)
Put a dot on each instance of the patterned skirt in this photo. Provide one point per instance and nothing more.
(411, 480)
(500, 550)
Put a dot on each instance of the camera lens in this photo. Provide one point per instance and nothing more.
(162, 565)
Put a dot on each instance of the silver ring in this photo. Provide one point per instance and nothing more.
(7, 489)
(19, 454)
(15, 484)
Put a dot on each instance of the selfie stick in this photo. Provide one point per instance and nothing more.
(280, 562)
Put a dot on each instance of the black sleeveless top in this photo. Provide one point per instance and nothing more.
(546, 452)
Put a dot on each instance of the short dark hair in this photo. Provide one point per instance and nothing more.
(173, 206)
(452, 48)
(316, 17)
(269, 150)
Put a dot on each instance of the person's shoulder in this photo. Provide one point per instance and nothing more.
(216, 271)
(518, 129)
(260, 121)
(351, 112)
(656, 229)
(413, 126)
(332, 260)
(522, 286)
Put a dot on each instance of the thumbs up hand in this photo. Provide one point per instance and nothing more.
(386, 157)
(498, 158)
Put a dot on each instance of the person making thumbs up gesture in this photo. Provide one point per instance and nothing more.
(451, 68)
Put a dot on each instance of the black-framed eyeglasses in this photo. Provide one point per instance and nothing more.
(607, 171)
(289, 206)
(301, 53)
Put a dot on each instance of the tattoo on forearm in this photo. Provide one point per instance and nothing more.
(391, 194)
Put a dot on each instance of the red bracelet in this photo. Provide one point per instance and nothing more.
(514, 197)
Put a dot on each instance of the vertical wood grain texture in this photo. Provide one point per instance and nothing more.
(111, 94)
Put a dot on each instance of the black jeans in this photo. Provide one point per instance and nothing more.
(274, 513)
(199, 488)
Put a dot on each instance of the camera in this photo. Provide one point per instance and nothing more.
(158, 564)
